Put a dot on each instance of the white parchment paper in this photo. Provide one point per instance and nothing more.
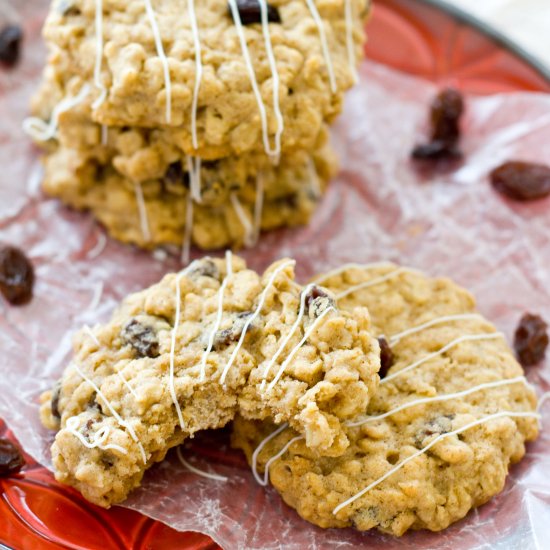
(380, 207)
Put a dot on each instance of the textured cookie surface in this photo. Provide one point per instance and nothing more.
(461, 369)
(154, 212)
(164, 368)
(151, 80)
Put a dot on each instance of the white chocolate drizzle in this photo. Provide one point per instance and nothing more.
(188, 231)
(219, 315)
(324, 44)
(202, 473)
(291, 355)
(99, 439)
(346, 267)
(286, 339)
(117, 417)
(349, 39)
(258, 208)
(89, 332)
(142, 210)
(96, 298)
(447, 347)
(42, 131)
(483, 420)
(258, 450)
(194, 168)
(99, 247)
(276, 153)
(126, 383)
(440, 398)
(543, 398)
(171, 385)
(198, 71)
(433, 322)
(248, 228)
(251, 319)
(246, 54)
(373, 282)
(163, 59)
(99, 60)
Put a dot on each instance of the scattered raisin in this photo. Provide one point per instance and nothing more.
(445, 113)
(386, 357)
(174, 173)
(10, 44)
(531, 339)
(522, 181)
(11, 459)
(141, 337)
(250, 12)
(16, 276)
(317, 301)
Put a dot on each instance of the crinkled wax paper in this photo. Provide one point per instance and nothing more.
(379, 207)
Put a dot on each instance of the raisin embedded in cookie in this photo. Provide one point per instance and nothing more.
(188, 353)
(451, 414)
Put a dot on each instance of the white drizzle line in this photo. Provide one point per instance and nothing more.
(314, 177)
(171, 386)
(257, 312)
(99, 59)
(188, 231)
(89, 332)
(346, 267)
(295, 350)
(99, 246)
(258, 450)
(198, 71)
(289, 335)
(194, 169)
(447, 347)
(276, 457)
(96, 298)
(252, 75)
(438, 398)
(249, 231)
(275, 75)
(162, 56)
(373, 282)
(349, 39)
(543, 398)
(118, 418)
(201, 473)
(142, 209)
(98, 440)
(324, 43)
(437, 321)
(125, 382)
(216, 327)
(429, 446)
(258, 207)
(42, 131)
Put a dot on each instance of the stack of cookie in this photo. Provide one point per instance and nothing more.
(180, 123)
(381, 399)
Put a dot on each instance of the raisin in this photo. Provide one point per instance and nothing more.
(531, 339)
(386, 357)
(141, 337)
(317, 301)
(55, 401)
(445, 113)
(174, 173)
(206, 268)
(10, 44)
(522, 181)
(16, 276)
(250, 12)
(224, 338)
(11, 459)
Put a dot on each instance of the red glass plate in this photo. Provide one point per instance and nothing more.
(420, 38)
